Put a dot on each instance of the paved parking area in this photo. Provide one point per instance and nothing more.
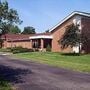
(27, 75)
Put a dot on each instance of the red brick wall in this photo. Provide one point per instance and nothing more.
(86, 32)
(57, 34)
(24, 44)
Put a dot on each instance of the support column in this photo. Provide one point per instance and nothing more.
(11, 44)
(31, 44)
(42, 44)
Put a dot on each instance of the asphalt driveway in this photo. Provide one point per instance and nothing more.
(27, 75)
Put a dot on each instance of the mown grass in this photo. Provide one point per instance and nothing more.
(4, 85)
(73, 62)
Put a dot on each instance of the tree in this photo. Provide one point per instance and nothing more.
(71, 37)
(47, 31)
(29, 30)
(14, 29)
(8, 17)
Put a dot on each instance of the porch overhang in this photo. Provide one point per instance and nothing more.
(41, 37)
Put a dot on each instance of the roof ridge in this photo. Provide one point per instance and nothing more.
(81, 12)
(69, 16)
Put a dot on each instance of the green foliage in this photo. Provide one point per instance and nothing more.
(14, 29)
(5, 50)
(20, 50)
(29, 30)
(47, 31)
(48, 48)
(4, 85)
(8, 17)
(71, 37)
(1, 43)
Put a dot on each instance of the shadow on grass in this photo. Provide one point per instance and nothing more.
(13, 75)
(70, 54)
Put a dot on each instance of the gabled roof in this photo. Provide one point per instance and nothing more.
(68, 17)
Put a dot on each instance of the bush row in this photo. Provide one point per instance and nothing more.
(20, 50)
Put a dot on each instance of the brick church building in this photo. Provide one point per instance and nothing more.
(51, 38)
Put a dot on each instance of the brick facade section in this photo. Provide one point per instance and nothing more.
(86, 32)
(57, 34)
(15, 40)
(24, 44)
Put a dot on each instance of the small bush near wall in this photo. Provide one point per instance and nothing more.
(48, 48)
(20, 50)
(5, 50)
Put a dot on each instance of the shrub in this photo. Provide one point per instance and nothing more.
(20, 50)
(4, 50)
(48, 48)
(36, 50)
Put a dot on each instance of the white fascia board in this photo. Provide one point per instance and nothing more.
(72, 14)
(41, 37)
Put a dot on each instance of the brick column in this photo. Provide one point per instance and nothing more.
(42, 44)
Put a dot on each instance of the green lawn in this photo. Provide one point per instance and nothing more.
(77, 63)
(4, 85)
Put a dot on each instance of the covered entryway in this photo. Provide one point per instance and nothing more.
(41, 42)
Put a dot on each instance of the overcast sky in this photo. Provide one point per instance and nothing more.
(44, 14)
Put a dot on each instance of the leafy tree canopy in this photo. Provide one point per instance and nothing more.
(14, 29)
(71, 37)
(8, 17)
(47, 31)
(29, 30)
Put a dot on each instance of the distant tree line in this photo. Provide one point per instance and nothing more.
(28, 30)
(16, 30)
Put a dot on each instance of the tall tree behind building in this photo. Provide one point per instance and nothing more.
(29, 30)
(14, 30)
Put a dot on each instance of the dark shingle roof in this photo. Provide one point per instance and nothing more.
(17, 37)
